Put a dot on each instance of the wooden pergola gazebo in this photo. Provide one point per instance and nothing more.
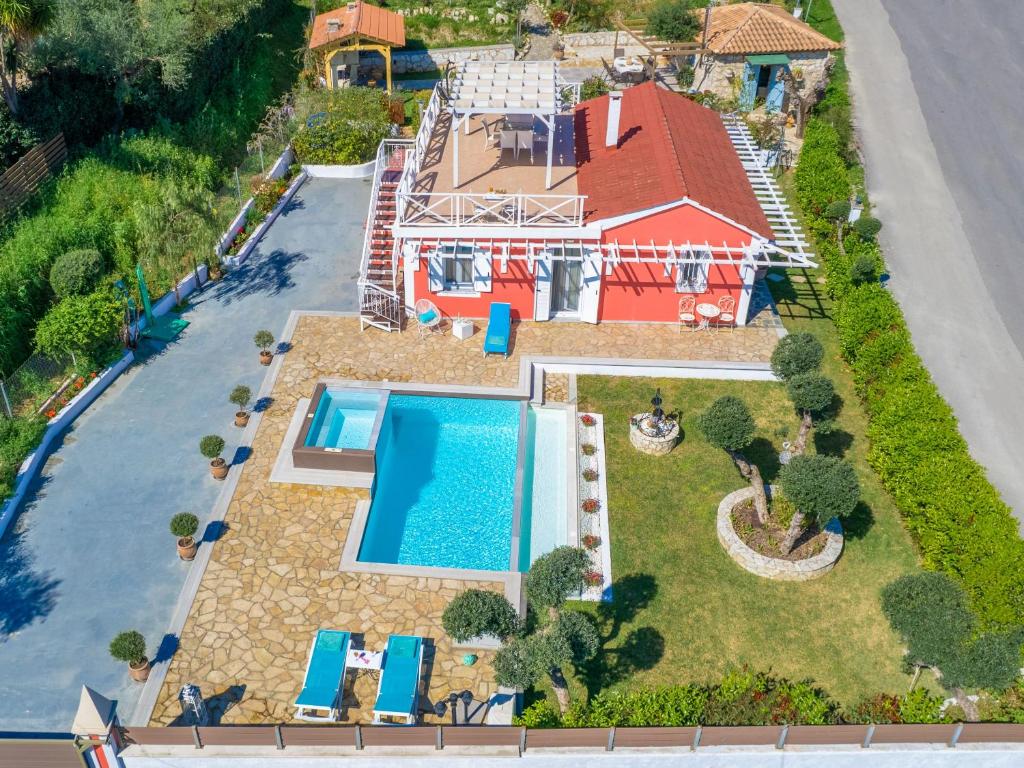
(341, 34)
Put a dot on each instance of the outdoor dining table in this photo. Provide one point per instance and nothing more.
(707, 313)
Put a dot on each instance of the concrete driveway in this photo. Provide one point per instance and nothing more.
(91, 553)
(937, 87)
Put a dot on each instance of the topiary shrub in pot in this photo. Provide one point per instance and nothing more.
(264, 340)
(211, 447)
(241, 396)
(130, 647)
(184, 525)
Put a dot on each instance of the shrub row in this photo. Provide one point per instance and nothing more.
(958, 518)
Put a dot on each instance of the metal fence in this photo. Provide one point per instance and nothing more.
(35, 385)
(438, 737)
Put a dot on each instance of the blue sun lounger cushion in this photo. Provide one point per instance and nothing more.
(325, 671)
(499, 328)
(398, 691)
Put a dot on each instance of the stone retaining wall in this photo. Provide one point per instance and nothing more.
(772, 567)
(403, 62)
(587, 49)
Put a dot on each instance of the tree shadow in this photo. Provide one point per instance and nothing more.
(835, 442)
(268, 274)
(26, 595)
(215, 529)
(798, 299)
(262, 404)
(857, 524)
(763, 453)
(168, 647)
(242, 454)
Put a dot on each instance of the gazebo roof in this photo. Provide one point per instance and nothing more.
(507, 87)
(742, 28)
(358, 19)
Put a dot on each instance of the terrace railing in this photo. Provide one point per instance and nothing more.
(478, 209)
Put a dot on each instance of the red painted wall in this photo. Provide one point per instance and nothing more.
(515, 286)
(642, 292)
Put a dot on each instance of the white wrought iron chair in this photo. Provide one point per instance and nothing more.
(727, 316)
(428, 317)
(687, 312)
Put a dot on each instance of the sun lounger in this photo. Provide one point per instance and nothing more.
(320, 698)
(499, 328)
(399, 686)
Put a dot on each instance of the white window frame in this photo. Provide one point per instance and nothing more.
(692, 277)
(454, 253)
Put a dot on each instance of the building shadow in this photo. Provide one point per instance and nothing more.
(260, 275)
(26, 595)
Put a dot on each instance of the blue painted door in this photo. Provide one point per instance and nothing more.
(749, 89)
(776, 90)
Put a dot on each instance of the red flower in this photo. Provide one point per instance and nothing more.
(590, 505)
(92, 375)
(593, 578)
(587, 420)
(51, 413)
(63, 401)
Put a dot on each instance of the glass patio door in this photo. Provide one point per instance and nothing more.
(567, 281)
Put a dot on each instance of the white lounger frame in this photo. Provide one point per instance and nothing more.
(410, 717)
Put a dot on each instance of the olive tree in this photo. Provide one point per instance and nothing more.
(673, 21)
(565, 637)
(728, 425)
(820, 487)
(811, 394)
(478, 612)
(797, 353)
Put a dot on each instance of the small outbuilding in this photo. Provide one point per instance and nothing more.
(339, 36)
(752, 49)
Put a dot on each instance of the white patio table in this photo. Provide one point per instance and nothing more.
(707, 312)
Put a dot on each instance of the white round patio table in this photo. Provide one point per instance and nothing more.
(707, 312)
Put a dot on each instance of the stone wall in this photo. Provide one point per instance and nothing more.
(403, 62)
(723, 75)
(587, 49)
(773, 567)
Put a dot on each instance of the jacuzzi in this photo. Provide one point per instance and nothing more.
(340, 429)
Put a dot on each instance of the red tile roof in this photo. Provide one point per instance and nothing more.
(758, 28)
(669, 147)
(358, 18)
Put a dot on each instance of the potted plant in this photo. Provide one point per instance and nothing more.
(211, 447)
(241, 396)
(130, 647)
(184, 525)
(264, 340)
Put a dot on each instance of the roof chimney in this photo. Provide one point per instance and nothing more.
(611, 137)
(333, 25)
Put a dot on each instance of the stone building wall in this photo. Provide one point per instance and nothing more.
(587, 49)
(435, 58)
(723, 75)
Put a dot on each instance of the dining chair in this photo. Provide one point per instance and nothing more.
(687, 312)
(727, 316)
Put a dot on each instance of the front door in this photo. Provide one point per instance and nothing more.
(567, 281)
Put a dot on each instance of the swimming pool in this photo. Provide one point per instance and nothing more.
(545, 501)
(444, 493)
(344, 418)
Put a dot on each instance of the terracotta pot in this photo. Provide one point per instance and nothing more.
(219, 469)
(187, 548)
(140, 673)
(241, 418)
(266, 356)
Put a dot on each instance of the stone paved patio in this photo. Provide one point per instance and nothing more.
(273, 578)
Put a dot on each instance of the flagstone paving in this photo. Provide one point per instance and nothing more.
(274, 577)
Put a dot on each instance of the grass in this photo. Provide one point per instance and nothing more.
(683, 611)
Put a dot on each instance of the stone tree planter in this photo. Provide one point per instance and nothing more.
(774, 567)
(654, 438)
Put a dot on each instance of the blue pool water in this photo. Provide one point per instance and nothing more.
(545, 518)
(445, 485)
(343, 419)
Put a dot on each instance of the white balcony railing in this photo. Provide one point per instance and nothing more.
(479, 209)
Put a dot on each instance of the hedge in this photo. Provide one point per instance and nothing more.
(961, 524)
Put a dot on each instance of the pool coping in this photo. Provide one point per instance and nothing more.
(697, 369)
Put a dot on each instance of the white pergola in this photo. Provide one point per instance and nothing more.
(529, 88)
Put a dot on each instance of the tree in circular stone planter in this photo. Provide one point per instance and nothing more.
(820, 487)
(728, 425)
(797, 353)
(240, 396)
(130, 647)
(184, 525)
(812, 395)
(264, 340)
(477, 612)
(211, 447)
(564, 638)
(77, 272)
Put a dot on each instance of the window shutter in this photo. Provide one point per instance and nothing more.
(435, 274)
(482, 267)
(542, 291)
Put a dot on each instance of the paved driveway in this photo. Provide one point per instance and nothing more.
(937, 85)
(91, 554)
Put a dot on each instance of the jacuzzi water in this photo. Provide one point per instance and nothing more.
(545, 515)
(343, 419)
(445, 485)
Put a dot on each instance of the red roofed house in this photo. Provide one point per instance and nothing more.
(629, 207)
(340, 35)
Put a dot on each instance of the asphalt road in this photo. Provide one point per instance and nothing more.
(937, 86)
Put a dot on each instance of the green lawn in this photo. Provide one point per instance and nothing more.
(683, 611)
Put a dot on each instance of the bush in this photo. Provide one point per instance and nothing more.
(76, 272)
(821, 177)
(811, 392)
(867, 227)
(867, 311)
(929, 611)
(555, 576)
(82, 325)
(797, 353)
(540, 714)
(479, 612)
(864, 269)
(673, 21)
(727, 424)
(18, 438)
(839, 211)
(211, 446)
(822, 487)
(678, 705)
(129, 647)
(184, 525)
(523, 661)
(355, 123)
(240, 396)
(592, 88)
